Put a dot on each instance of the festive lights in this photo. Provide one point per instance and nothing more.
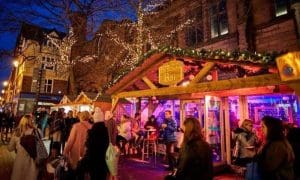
(145, 34)
(236, 56)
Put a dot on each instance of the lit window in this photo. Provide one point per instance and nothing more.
(282, 7)
(218, 18)
(48, 63)
(48, 86)
(194, 32)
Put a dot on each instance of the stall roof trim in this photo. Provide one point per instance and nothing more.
(217, 55)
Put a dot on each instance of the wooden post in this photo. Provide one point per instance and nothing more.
(225, 105)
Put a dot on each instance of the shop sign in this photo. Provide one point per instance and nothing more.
(171, 73)
(289, 66)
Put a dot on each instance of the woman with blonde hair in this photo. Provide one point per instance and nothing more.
(75, 145)
(245, 143)
(23, 143)
(195, 161)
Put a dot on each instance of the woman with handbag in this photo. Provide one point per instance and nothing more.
(23, 143)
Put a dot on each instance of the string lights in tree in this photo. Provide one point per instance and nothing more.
(144, 33)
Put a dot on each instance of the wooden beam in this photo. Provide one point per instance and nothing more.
(138, 73)
(149, 83)
(254, 81)
(295, 85)
(114, 103)
(208, 66)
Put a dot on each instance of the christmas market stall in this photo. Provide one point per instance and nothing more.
(215, 86)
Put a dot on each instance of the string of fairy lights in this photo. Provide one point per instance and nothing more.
(145, 34)
(243, 57)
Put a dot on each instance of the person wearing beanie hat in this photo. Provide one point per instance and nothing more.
(98, 115)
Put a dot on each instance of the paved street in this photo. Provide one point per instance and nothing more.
(132, 169)
(6, 162)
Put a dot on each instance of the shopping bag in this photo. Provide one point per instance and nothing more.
(112, 158)
(41, 151)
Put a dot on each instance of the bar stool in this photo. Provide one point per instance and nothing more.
(149, 146)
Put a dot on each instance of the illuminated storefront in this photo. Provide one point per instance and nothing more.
(216, 88)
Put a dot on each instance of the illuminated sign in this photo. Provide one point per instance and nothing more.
(289, 66)
(171, 73)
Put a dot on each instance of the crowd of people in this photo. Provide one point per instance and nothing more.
(79, 144)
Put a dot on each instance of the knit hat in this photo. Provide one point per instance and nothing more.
(98, 115)
(108, 115)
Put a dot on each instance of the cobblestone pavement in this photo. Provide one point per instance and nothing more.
(6, 162)
(130, 169)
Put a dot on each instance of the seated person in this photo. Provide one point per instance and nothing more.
(152, 124)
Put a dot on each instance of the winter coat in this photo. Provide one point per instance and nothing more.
(169, 131)
(112, 130)
(75, 146)
(96, 146)
(244, 140)
(24, 166)
(276, 161)
(195, 161)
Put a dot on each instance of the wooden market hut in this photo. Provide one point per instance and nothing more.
(209, 77)
(85, 101)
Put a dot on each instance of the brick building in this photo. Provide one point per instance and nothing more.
(256, 25)
(34, 79)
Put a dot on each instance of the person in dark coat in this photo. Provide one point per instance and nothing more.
(96, 146)
(169, 127)
(276, 158)
(293, 137)
(195, 160)
(67, 126)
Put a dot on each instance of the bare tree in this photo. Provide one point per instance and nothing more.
(59, 14)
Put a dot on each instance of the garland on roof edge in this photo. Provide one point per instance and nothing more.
(245, 57)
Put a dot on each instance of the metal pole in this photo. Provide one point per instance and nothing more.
(38, 88)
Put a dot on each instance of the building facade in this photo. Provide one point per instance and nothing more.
(35, 79)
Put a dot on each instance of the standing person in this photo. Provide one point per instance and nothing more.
(195, 161)
(276, 157)
(75, 145)
(56, 127)
(245, 140)
(23, 143)
(110, 121)
(169, 127)
(67, 126)
(96, 146)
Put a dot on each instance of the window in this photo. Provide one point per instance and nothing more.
(194, 32)
(48, 63)
(282, 7)
(218, 21)
(48, 85)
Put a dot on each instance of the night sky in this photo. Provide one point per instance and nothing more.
(8, 37)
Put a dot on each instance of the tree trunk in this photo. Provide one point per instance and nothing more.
(72, 84)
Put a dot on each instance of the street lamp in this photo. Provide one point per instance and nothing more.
(5, 83)
(3, 91)
(16, 63)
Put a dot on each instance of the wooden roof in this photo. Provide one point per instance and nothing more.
(194, 60)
